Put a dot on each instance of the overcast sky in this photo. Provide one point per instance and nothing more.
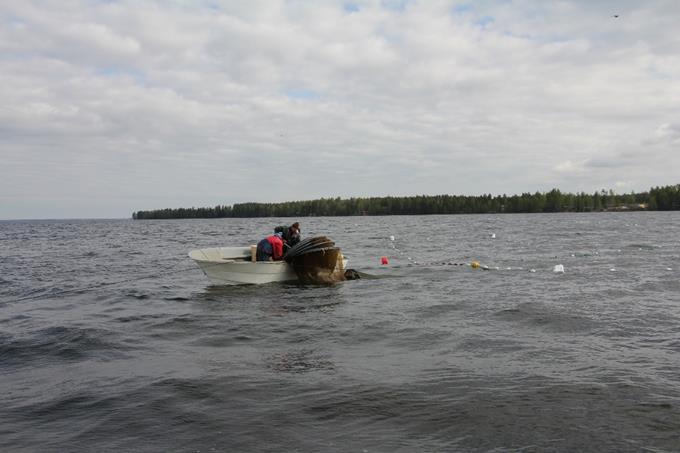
(109, 107)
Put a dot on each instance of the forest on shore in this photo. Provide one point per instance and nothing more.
(664, 198)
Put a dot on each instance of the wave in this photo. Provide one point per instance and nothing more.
(59, 343)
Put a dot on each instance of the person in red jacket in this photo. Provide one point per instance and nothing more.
(270, 248)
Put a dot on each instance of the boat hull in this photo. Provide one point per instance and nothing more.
(247, 273)
(234, 266)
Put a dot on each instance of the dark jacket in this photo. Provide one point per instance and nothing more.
(291, 236)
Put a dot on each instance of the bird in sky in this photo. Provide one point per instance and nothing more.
(615, 16)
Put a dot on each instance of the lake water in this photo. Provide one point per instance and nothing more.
(113, 340)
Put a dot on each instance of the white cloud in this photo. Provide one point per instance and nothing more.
(667, 133)
(150, 104)
(570, 167)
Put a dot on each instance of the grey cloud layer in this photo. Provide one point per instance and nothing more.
(152, 104)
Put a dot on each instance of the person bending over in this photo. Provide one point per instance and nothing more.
(270, 248)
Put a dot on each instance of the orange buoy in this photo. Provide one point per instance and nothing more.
(383, 260)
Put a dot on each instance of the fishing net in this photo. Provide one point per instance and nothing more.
(316, 260)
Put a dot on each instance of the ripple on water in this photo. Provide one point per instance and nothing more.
(59, 344)
(549, 319)
(421, 358)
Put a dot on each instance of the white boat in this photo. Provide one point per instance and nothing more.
(234, 266)
(314, 260)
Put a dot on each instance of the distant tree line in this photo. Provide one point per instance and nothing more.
(657, 199)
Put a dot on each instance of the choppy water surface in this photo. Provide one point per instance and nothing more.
(112, 340)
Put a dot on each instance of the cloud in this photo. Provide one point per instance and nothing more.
(568, 166)
(667, 133)
(149, 104)
(606, 162)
